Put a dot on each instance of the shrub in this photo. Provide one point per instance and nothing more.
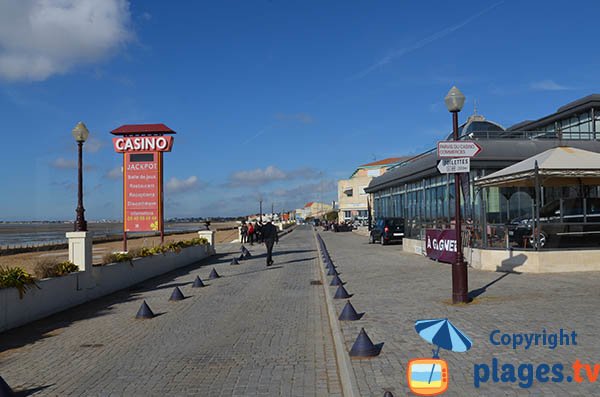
(140, 252)
(16, 277)
(116, 257)
(47, 267)
(67, 267)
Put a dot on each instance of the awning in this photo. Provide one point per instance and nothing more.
(560, 166)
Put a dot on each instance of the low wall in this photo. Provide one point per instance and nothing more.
(60, 293)
(521, 260)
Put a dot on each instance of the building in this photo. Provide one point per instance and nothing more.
(313, 209)
(416, 191)
(352, 198)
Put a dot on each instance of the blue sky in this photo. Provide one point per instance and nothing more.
(277, 99)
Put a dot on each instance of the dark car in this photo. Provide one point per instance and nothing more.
(387, 230)
(577, 227)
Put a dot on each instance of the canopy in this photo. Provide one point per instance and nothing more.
(560, 166)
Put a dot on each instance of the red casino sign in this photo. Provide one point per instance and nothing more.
(142, 146)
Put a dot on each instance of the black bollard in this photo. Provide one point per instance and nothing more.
(176, 295)
(335, 281)
(144, 312)
(363, 347)
(5, 390)
(349, 313)
(198, 283)
(341, 293)
(213, 274)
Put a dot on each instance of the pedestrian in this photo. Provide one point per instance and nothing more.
(251, 233)
(244, 232)
(270, 237)
(258, 230)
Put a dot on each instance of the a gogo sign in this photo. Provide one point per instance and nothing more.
(143, 144)
(441, 244)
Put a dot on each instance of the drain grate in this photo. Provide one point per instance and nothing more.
(92, 345)
(316, 282)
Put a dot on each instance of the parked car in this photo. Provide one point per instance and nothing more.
(387, 230)
(574, 230)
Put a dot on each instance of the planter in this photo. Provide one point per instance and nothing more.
(60, 293)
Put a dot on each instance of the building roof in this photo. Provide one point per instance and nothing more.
(389, 160)
(134, 129)
(309, 204)
(495, 153)
(562, 112)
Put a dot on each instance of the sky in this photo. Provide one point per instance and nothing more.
(270, 99)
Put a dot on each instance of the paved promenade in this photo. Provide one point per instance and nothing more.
(255, 331)
(395, 289)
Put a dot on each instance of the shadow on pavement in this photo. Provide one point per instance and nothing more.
(480, 291)
(50, 326)
(28, 392)
(298, 260)
(254, 271)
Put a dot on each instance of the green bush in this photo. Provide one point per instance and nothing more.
(116, 257)
(169, 246)
(48, 267)
(16, 277)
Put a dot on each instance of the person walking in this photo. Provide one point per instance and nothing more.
(270, 237)
(244, 232)
(251, 233)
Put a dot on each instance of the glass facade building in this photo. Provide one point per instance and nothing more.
(416, 191)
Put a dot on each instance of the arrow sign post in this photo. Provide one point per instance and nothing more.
(452, 149)
(454, 166)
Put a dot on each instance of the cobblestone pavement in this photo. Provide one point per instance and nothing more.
(395, 289)
(255, 331)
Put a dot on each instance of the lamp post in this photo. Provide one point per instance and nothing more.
(454, 102)
(80, 133)
(260, 204)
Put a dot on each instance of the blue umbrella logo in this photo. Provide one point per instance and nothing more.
(443, 334)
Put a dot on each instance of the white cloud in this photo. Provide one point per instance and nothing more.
(270, 174)
(175, 185)
(257, 176)
(64, 164)
(115, 173)
(40, 38)
(92, 145)
(548, 85)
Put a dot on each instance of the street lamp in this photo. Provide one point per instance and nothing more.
(80, 133)
(454, 102)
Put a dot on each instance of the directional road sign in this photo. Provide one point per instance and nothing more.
(451, 149)
(454, 166)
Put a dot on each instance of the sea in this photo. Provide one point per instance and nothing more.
(36, 234)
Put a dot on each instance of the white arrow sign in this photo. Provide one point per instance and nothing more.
(450, 149)
(454, 166)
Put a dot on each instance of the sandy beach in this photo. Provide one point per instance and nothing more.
(28, 260)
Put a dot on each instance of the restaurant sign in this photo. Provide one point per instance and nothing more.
(441, 245)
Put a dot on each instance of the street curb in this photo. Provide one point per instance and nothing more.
(347, 378)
